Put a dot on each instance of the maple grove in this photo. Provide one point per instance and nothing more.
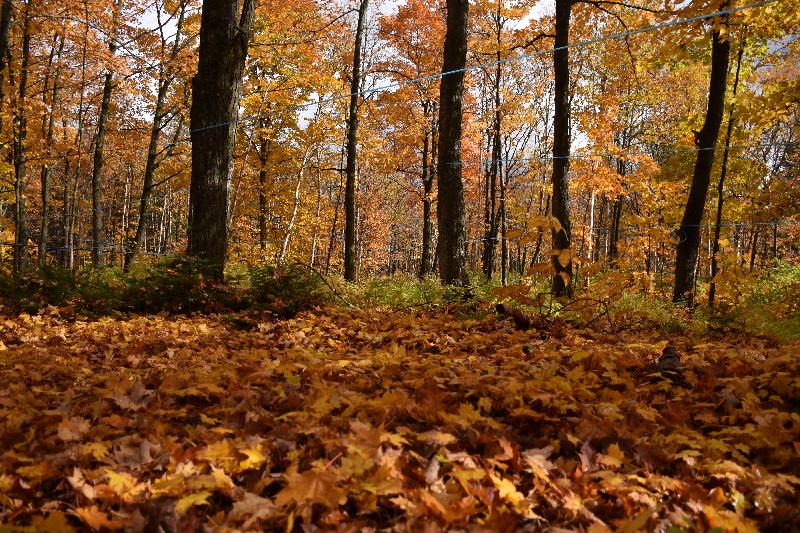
(630, 167)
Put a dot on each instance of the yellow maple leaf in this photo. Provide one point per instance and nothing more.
(254, 458)
(97, 519)
(187, 502)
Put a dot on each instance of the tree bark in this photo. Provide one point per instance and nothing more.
(562, 281)
(97, 169)
(295, 209)
(48, 128)
(225, 29)
(495, 165)
(689, 232)
(165, 79)
(712, 288)
(451, 212)
(20, 152)
(350, 169)
(6, 15)
(427, 226)
(263, 158)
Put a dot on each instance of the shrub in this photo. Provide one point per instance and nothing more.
(30, 291)
(178, 285)
(285, 290)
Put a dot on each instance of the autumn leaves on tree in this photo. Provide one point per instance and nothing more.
(502, 137)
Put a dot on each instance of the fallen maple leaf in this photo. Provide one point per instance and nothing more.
(187, 502)
(311, 487)
(97, 519)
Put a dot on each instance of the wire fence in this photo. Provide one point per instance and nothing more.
(438, 75)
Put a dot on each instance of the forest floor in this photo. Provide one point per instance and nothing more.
(413, 420)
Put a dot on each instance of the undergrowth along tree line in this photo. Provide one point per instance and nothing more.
(536, 164)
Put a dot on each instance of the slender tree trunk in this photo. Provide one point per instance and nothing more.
(495, 165)
(225, 29)
(97, 170)
(590, 255)
(689, 232)
(562, 281)
(427, 225)
(20, 152)
(616, 218)
(314, 236)
(262, 192)
(70, 198)
(165, 79)
(503, 230)
(352, 137)
(451, 212)
(150, 166)
(712, 289)
(47, 131)
(295, 209)
(6, 15)
(754, 249)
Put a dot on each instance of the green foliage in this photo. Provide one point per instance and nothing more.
(285, 290)
(30, 291)
(770, 307)
(178, 285)
(399, 291)
(640, 311)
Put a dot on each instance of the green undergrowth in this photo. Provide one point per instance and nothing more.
(176, 286)
(765, 306)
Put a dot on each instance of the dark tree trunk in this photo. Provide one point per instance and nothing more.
(151, 165)
(6, 14)
(616, 217)
(48, 127)
(427, 184)
(712, 289)
(262, 193)
(20, 152)
(562, 281)
(495, 165)
(352, 137)
(451, 212)
(689, 232)
(97, 169)
(503, 232)
(225, 29)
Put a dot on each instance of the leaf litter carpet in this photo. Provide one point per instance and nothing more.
(344, 419)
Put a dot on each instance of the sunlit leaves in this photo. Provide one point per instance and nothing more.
(420, 414)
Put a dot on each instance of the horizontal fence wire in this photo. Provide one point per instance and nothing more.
(391, 86)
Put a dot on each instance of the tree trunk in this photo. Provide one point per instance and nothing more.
(225, 29)
(712, 289)
(427, 226)
(493, 218)
(295, 209)
(97, 170)
(6, 15)
(20, 152)
(616, 218)
(350, 169)
(689, 232)
(47, 131)
(451, 212)
(263, 158)
(165, 79)
(562, 281)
